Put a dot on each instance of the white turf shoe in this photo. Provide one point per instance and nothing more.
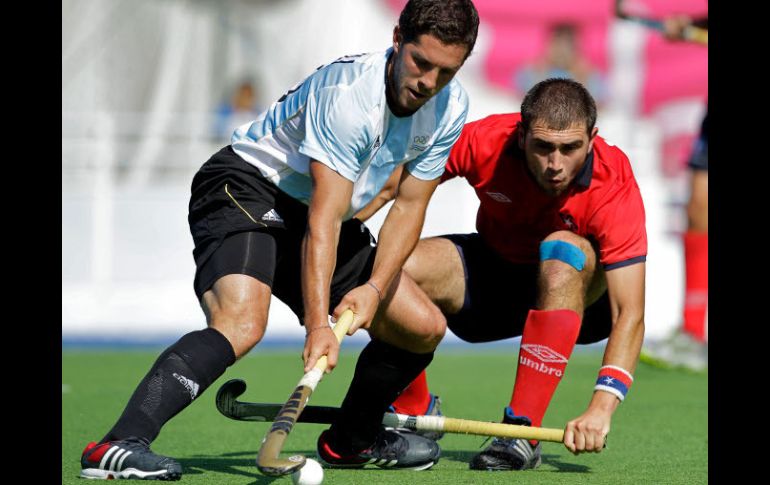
(680, 351)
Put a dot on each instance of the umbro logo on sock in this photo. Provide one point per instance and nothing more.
(191, 386)
(272, 215)
(544, 353)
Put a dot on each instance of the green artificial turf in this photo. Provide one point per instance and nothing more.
(659, 434)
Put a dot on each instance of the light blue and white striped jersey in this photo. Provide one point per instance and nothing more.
(339, 116)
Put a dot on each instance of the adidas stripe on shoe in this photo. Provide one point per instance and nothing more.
(402, 450)
(128, 458)
(509, 453)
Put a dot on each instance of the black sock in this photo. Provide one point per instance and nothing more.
(383, 371)
(181, 373)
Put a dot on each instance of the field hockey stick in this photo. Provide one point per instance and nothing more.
(229, 406)
(690, 32)
(269, 461)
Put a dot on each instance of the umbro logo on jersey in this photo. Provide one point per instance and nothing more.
(499, 197)
(544, 353)
(376, 143)
(191, 386)
(272, 216)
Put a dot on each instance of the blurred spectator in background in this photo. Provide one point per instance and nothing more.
(688, 346)
(241, 107)
(563, 60)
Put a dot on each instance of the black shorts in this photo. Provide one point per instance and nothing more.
(699, 159)
(243, 224)
(499, 295)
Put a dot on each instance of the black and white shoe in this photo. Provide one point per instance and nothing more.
(508, 453)
(392, 448)
(128, 458)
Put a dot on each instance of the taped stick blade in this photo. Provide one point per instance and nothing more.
(279, 467)
(227, 395)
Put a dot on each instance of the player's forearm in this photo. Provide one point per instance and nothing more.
(604, 402)
(372, 207)
(625, 341)
(397, 238)
(623, 347)
(319, 257)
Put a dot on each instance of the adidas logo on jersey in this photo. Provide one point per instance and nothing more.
(272, 216)
(191, 386)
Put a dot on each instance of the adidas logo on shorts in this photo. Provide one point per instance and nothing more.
(272, 216)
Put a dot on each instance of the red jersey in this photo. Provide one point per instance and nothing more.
(602, 204)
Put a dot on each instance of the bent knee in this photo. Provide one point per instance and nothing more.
(237, 306)
(570, 237)
(431, 330)
(569, 248)
(438, 327)
(244, 330)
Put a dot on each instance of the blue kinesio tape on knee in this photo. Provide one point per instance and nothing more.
(563, 251)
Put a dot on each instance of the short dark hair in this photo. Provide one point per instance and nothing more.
(559, 103)
(450, 21)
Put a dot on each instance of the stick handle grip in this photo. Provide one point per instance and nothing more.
(340, 330)
(504, 430)
(468, 426)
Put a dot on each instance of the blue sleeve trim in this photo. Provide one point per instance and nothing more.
(628, 262)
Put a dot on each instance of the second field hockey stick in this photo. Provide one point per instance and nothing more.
(691, 33)
(229, 406)
(268, 460)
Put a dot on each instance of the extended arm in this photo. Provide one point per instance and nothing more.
(625, 285)
(329, 202)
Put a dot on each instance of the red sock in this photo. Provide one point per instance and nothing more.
(696, 261)
(415, 398)
(546, 345)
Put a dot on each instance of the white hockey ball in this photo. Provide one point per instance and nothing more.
(311, 473)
